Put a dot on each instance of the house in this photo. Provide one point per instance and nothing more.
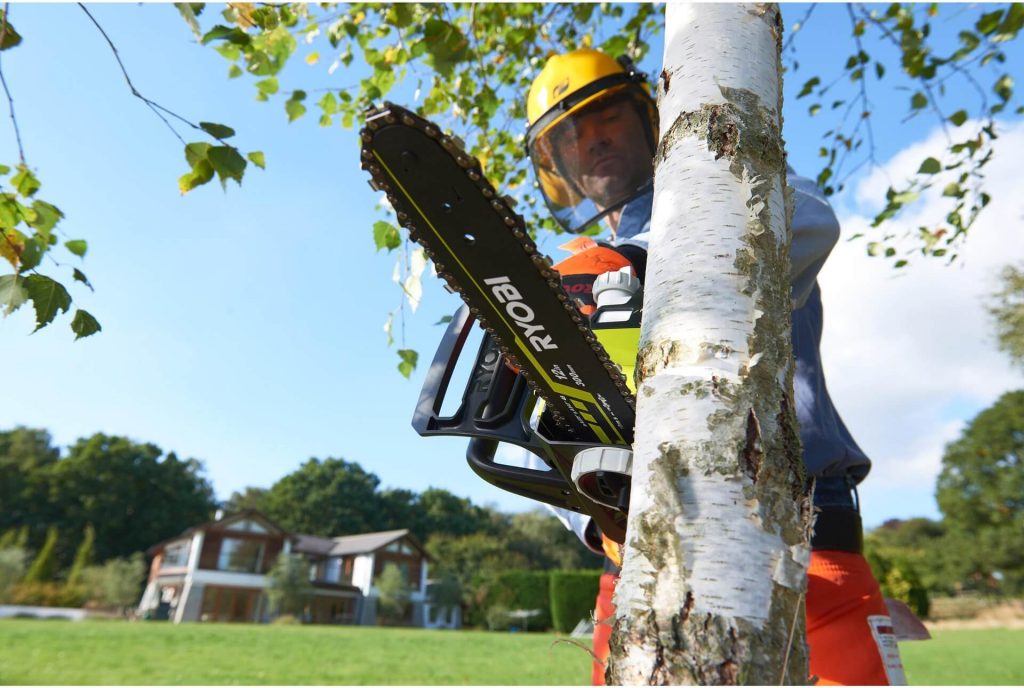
(217, 571)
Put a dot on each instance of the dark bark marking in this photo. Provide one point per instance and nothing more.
(753, 454)
(666, 77)
(728, 673)
(723, 134)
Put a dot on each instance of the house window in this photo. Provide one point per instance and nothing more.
(175, 554)
(247, 526)
(243, 556)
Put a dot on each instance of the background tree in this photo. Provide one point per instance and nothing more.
(251, 498)
(330, 497)
(393, 594)
(134, 494)
(926, 546)
(12, 569)
(117, 583)
(24, 454)
(289, 589)
(44, 566)
(981, 490)
(1007, 309)
(84, 556)
(546, 544)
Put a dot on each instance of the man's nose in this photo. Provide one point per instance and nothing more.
(592, 136)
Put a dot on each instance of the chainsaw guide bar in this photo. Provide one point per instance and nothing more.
(481, 248)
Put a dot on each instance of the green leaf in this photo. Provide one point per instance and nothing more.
(12, 293)
(904, 197)
(217, 131)
(918, 101)
(958, 117)
(267, 87)
(227, 163)
(189, 15)
(879, 70)
(1004, 87)
(11, 37)
(83, 324)
(194, 152)
(25, 182)
(31, 254)
(930, 166)
(76, 246)
(445, 319)
(294, 107)
(257, 159)
(226, 33)
(234, 71)
(409, 358)
(201, 173)
(48, 296)
(386, 235)
(814, 109)
(808, 87)
(47, 216)
(989, 22)
(952, 189)
(79, 276)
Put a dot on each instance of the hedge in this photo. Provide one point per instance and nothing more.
(573, 594)
(522, 590)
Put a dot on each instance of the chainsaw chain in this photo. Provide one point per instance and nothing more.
(391, 114)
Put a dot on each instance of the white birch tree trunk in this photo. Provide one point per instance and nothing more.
(711, 590)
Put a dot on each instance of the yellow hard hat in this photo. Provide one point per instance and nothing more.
(568, 85)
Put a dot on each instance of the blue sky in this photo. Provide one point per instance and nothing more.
(245, 328)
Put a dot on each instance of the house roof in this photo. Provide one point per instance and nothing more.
(251, 514)
(352, 544)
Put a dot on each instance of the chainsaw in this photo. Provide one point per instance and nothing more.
(546, 377)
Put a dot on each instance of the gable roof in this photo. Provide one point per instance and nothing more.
(353, 544)
(220, 524)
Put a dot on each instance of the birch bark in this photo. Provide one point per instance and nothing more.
(715, 562)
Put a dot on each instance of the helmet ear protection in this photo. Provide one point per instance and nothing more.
(567, 86)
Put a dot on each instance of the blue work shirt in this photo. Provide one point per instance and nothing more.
(831, 456)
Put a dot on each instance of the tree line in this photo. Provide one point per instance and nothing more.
(107, 499)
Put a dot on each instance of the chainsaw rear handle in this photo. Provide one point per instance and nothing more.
(496, 407)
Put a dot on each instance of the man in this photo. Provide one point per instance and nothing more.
(591, 137)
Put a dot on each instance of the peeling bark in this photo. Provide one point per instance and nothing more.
(712, 583)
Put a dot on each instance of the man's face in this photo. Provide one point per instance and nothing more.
(604, 150)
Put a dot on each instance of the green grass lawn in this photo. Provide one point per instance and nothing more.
(117, 653)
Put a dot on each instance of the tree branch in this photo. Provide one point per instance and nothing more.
(10, 100)
(154, 106)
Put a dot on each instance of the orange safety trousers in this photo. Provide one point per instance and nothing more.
(848, 633)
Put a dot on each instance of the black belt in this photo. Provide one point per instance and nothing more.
(834, 529)
(838, 529)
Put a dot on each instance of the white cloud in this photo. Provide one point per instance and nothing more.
(910, 354)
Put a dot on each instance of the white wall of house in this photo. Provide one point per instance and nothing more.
(362, 572)
(196, 550)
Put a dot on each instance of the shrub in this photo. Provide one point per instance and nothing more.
(572, 595)
(286, 620)
(898, 579)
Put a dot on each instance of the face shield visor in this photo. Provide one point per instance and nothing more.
(596, 155)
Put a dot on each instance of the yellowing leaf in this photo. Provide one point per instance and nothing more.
(312, 58)
(12, 243)
(359, 17)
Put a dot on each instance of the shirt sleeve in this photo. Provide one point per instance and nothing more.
(815, 233)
